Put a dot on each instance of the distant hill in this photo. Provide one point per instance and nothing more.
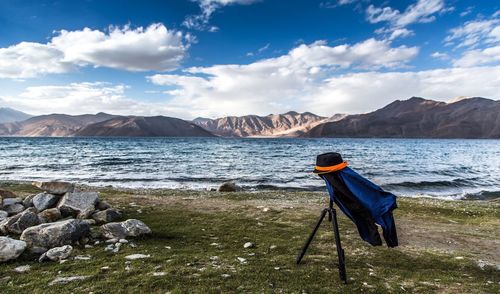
(51, 125)
(8, 115)
(420, 118)
(290, 124)
(137, 126)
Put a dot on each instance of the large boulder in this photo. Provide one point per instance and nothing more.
(107, 216)
(13, 208)
(78, 202)
(122, 230)
(57, 253)
(57, 188)
(49, 215)
(10, 248)
(44, 200)
(56, 234)
(18, 223)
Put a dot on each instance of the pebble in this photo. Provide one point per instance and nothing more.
(105, 268)
(159, 274)
(65, 280)
(242, 260)
(82, 257)
(272, 247)
(225, 276)
(22, 269)
(265, 209)
(123, 241)
(168, 247)
(248, 245)
(137, 256)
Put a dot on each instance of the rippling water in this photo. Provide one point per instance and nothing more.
(407, 167)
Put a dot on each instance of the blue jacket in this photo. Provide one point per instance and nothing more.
(365, 204)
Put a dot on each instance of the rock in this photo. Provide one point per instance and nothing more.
(86, 213)
(91, 222)
(44, 200)
(37, 250)
(272, 247)
(242, 260)
(137, 256)
(57, 253)
(49, 215)
(22, 269)
(56, 234)
(21, 221)
(65, 280)
(248, 245)
(3, 215)
(228, 187)
(123, 241)
(106, 216)
(102, 205)
(57, 188)
(122, 230)
(77, 202)
(82, 257)
(10, 248)
(7, 194)
(28, 200)
(10, 201)
(14, 208)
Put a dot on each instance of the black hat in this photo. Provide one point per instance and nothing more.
(329, 162)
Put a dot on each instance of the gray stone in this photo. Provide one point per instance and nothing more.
(57, 253)
(13, 208)
(3, 215)
(22, 269)
(106, 216)
(21, 221)
(49, 215)
(102, 205)
(10, 201)
(57, 188)
(10, 248)
(28, 200)
(56, 234)
(228, 187)
(86, 213)
(65, 280)
(76, 202)
(122, 230)
(44, 200)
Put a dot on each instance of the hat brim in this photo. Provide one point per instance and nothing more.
(319, 170)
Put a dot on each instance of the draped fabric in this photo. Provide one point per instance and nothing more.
(365, 203)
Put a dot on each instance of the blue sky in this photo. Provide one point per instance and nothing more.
(233, 57)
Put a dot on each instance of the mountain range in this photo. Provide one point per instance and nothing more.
(413, 118)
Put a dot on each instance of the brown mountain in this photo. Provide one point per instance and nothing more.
(137, 126)
(52, 125)
(290, 124)
(420, 118)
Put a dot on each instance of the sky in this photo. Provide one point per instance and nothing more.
(213, 58)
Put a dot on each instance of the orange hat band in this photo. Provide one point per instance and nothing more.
(332, 168)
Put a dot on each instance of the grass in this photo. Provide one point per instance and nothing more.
(198, 236)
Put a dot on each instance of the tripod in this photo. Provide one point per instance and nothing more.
(332, 216)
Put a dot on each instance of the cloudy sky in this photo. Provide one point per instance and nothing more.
(211, 58)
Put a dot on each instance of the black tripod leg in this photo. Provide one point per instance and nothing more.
(331, 207)
(340, 251)
(308, 241)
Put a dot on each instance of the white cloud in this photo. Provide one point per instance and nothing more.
(474, 33)
(422, 11)
(27, 60)
(139, 49)
(79, 98)
(208, 7)
(479, 57)
(363, 92)
(274, 84)
(481, 38)
(440, 55)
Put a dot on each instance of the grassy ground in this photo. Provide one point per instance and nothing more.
(446, 247)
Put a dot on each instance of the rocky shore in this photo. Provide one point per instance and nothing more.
(214, 242)
(45, 226)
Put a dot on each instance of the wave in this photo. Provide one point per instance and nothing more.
(455, 183)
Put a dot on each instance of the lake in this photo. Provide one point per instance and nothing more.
(451, 169)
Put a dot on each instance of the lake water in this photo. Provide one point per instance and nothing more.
(452, 169)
